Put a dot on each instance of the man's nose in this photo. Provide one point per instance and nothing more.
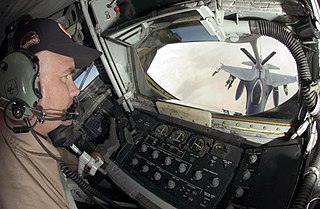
(73, 89)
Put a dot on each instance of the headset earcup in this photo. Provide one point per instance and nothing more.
(17, 109)
(20, 83)
(36, 86)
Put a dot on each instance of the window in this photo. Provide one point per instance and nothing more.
(221, 77)
(86, 77)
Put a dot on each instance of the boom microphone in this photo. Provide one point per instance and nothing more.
(17, 109)
(70, 114)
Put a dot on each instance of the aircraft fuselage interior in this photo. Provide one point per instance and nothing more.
(196, 104)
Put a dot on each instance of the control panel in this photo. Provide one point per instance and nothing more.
(190, 168)
(193, 167)
(182, 172)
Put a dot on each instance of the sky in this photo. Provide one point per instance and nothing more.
(92, 75)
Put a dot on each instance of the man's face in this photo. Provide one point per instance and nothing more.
(57, 87)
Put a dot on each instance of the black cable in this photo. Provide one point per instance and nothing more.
(70, 174)
(280, 33)
(93, 198)
(45, 148)
(73, 175)
(86, 187)
(19, 129)
(109, 5)
(310, 96)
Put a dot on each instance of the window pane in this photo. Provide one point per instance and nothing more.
(85, 79)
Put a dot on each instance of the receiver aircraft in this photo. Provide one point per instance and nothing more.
(258, 81)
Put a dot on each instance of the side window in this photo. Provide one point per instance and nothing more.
(86, 77)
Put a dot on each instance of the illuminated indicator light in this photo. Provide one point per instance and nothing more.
(117, 9)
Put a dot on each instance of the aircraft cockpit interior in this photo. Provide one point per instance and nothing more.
(196, 104)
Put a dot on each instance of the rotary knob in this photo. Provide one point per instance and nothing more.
(182, 168)
(167, 161)
(230, 207)
(134, 161)
(157, 176)
(190, 199)
(144, 148)
(239, 192)
(197, 175)
(253, 158)
(145, 169)
(214, 182)
(246, 175)
(171, 184)
(155, 154)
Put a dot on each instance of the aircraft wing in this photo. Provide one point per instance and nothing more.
(272, 67)
(276, 80)
(249, 63)
(239, 72)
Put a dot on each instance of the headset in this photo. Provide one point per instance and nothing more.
(20, 85)
(19, 73)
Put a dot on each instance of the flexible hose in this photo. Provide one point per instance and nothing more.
(262, 27)
(73, 175)
(302, 198)
(84, 186)
(308, 184)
